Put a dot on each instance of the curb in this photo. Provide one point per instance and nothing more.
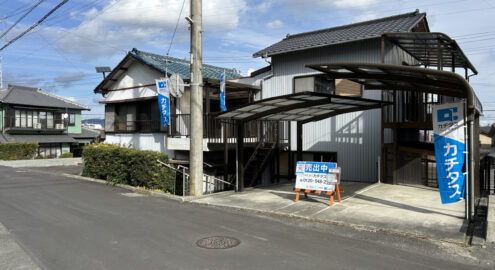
(357, 227)
(193, 200)
(149, 192)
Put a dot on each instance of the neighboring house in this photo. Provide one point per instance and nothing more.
(31, 115)
(486, 134)
(132, 116)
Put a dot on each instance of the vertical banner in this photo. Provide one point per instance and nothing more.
(163, 101)
(448, 126)
(223, 107)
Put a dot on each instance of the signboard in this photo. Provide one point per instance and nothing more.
(448, 126)
(316, 175)
(223, 107)
(163, 101)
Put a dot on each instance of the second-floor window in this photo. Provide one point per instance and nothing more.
(314, 83)
(37, 119)
(72, 119)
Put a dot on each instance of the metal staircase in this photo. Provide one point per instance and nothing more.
(262, 153)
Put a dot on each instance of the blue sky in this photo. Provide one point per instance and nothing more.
(60, 55)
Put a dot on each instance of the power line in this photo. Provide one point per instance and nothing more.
(34, 25)
(176, 25)
(22, 17)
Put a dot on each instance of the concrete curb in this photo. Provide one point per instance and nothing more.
(357, 227)
(148, 192)
(195, 200)
(490, 220)
(41, 162)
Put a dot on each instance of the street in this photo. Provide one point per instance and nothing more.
(66, 223)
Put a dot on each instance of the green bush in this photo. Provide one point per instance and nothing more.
(67, 155)
(128, 166)
(15, 151)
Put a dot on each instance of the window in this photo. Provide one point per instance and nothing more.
(43, 119)
(50, 150)
(35, 120)
(17, 118)
(29, 119)
(72, 119)
(314, 83)
(49, 120)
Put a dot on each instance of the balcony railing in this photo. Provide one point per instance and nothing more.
(137, 126)
(215, 130)
(27, 123)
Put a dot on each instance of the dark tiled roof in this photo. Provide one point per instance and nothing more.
(181, 66)
(62, 138)
(342, 34)
(28, 96)
(86, 133)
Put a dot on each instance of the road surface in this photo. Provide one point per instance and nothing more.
(65, 223)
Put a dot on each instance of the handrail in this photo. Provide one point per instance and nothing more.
(208, 176)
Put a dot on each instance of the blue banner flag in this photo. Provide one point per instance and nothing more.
(223, 107)
(163, 101)
(449, 139)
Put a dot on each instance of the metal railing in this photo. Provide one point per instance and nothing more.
(216, 130)
(28, 123)
(137, 126)
(211, 184)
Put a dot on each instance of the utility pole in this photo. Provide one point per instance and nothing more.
(196, 103)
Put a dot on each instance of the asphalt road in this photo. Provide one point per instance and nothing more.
(66, 223)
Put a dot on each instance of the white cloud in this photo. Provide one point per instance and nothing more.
(354, 3)
(366, 16)
(67, 79)
(128, 23)
(275, 24)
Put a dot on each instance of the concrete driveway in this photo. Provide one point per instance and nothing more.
(411, 210)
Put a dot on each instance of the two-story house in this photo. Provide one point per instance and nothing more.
(132, 116)
(393, 144)
(30, 115)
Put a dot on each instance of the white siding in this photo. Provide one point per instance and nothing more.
(137, 74)
(141, 141)
(354, 136)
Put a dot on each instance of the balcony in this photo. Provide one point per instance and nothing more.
(29, 124)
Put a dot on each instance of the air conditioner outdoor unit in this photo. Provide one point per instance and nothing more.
(37, 125)
(59, 126)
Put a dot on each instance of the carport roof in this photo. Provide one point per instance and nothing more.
(303, 106)
(397, 77)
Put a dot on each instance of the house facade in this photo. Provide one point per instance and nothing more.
(31, 115)
(353, 139)
(132, 116)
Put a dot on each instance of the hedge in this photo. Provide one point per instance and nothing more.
(14, 151)
(67, 155)
(128, 166)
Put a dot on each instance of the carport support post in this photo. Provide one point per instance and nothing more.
(299, 141)
(239, 185)
(470, 183)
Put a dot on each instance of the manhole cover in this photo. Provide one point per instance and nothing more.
(218, 242)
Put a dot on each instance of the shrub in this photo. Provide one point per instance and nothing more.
(67, 155)
(128, 166)
(15, 151)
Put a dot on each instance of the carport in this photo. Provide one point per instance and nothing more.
(303, 107)
(415, 79)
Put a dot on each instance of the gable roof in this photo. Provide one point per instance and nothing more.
(29, 96)
(175, 65)
(342, 34)
(181, 66)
